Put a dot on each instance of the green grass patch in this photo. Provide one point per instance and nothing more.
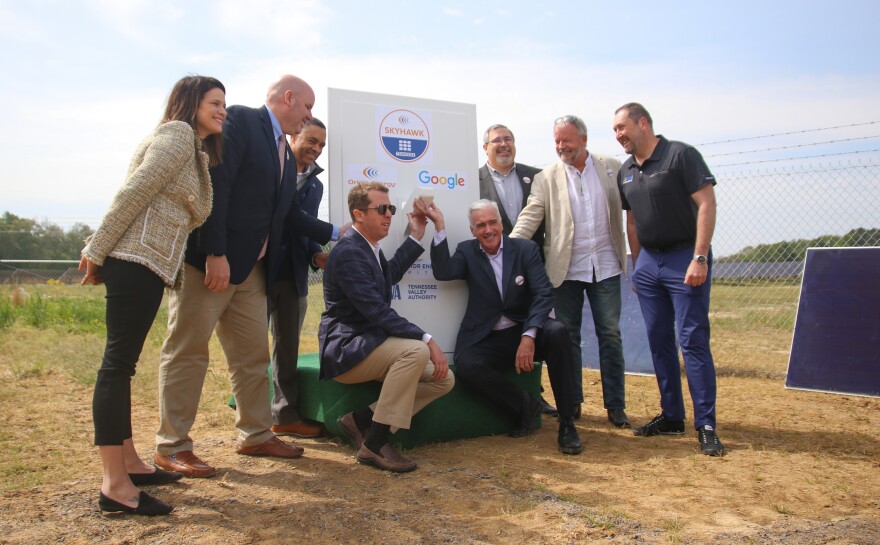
(7, 313)
(72, 308)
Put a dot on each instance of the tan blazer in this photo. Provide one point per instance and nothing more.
(166, 194)
(549, 201)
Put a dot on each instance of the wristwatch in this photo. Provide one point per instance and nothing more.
(701, 259)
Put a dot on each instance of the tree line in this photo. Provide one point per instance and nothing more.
(25, 238)
(796, 250)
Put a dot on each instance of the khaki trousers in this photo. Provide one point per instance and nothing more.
(239, 314)
(405, 370)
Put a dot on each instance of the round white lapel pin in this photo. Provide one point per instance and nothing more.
(520, 280)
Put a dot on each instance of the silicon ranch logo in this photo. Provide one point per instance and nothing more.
(404, 135)
(369, 173)
(450, 181)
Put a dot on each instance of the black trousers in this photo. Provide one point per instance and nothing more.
(134, 294)
(285, 323)
(480, 366)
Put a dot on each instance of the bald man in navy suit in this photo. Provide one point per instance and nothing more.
(228, 263)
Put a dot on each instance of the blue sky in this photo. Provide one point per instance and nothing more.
(85, 81)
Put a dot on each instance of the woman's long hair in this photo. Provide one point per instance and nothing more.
(183, 103)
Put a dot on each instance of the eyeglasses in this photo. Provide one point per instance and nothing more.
(382, 208)
(500, 139)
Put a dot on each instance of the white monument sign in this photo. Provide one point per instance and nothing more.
(415, 147)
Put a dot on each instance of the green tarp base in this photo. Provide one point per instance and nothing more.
(461, 414)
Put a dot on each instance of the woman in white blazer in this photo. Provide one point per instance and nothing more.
(136, 252)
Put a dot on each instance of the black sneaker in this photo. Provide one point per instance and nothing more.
(660, 426)
(709, 443)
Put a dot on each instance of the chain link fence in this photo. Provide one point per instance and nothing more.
(766, 221)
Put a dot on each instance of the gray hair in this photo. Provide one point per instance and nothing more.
(492, 128)
(482, 204)
(571, 120)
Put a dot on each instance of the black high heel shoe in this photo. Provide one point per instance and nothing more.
(160, 476)
(147, 505)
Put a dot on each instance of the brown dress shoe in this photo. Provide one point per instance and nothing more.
(184, 462)
(349, 427)
(274, 447)
(300, 429)
(388, 459)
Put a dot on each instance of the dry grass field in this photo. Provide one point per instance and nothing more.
(802, 468)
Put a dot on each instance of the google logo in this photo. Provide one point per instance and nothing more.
(451, 182)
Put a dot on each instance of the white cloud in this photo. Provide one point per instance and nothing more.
(139, 20)
(16, 25)
(524, 83)
(91, 146)
(199, 59)
(297, 25)
(99, 133)
(706, 111)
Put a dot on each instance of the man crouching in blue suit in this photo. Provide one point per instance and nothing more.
(507, 319)
(363, 339)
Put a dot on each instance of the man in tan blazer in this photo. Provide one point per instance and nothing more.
(578, 201)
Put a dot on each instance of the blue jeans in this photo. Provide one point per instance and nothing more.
(605, 303)
(666, 301)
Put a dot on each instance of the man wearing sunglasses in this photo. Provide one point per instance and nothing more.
(363, 339)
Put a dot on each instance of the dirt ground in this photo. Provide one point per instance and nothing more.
(802, 468)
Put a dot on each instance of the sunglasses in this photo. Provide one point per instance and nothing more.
(382, 208)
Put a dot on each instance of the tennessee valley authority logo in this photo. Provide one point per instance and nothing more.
(404, 135)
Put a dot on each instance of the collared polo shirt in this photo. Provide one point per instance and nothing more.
(659, 193)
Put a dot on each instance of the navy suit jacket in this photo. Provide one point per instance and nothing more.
(526, 175)
(297, 249)
(357, 295)
(248, 203)
(528, 294)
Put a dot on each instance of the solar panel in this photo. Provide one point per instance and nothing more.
(636, 352)
(836, 343)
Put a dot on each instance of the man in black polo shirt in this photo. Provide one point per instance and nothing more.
(667, 191)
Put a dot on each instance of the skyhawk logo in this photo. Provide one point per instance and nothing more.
(404, 135)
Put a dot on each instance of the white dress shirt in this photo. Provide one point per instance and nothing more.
(592, 253)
